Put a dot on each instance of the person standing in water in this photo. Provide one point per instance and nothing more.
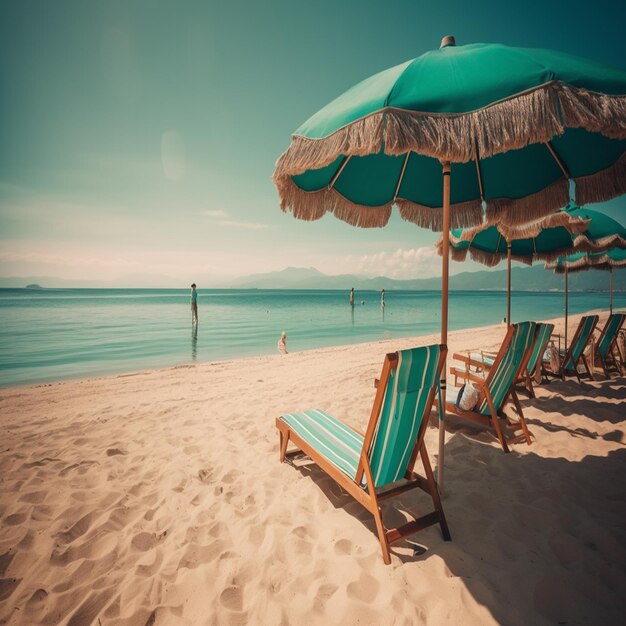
(382, 298)
(194, 304)
(352, 297)
(282, 343)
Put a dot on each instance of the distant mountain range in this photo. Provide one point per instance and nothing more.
(534, 278)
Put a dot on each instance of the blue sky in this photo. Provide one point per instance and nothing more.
(139, 137)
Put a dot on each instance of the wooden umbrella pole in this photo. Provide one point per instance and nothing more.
(445, 261)
(508, 284)
(611, 290)
(566, 309)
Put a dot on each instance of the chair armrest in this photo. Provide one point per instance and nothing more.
(467, 375)
(469, 361)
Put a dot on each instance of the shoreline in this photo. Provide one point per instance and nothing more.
(46, 382)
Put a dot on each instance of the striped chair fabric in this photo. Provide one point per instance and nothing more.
(401, 416)
(586, 327)
(613, 325)
(503, 376)
(543, 335)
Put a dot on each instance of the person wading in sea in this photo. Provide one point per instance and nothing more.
(194, 304)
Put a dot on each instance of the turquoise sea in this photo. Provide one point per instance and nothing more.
(52, 334)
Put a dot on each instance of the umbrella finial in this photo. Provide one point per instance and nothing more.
(448, 40)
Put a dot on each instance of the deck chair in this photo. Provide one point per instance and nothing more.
(498, 386)
(380, 463)
(574, 355)
(607, 348)
(483, 361)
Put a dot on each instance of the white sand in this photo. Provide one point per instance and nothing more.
(158, 497)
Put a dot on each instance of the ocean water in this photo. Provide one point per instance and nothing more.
(54, 334)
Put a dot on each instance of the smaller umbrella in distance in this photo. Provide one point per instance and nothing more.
(544, 239)
(606, 261)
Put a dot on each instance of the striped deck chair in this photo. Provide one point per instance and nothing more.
(535, 362)
(483, 361)
(574, 355)
(607, 348)
(380, 463)
(498, 386)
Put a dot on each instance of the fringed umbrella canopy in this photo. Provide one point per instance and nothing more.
(607, 232)
(583, 261)
(572, 230)
(515, 123)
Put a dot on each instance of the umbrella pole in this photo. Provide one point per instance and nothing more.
(508, 285)
(566, 308)
(611, 290)
(445, 259)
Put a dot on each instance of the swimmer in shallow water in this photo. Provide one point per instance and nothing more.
(282, 343)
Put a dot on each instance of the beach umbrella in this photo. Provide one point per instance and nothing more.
(571, 230)
(544, 239)
(606, 261)
(512, 127)
(610, 237)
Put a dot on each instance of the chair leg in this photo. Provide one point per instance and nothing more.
(284, 441)
(520, 413)
(434, 493)
(587, 368)
(378, 518)
(529, 386)
(495, 421)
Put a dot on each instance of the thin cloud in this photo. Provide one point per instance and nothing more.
(403, 263)
(248, 225)
(231, 223)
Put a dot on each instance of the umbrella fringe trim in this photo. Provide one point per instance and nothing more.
(595, 112)
(533, 116)
(313, 205)
(603, 185)
(359, 138)
(512, 211)
(462, 214)
(513, 232)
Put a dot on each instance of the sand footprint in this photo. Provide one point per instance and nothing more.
(8, 586)
(232, 598)
(115, 452)
(77, 530)
(324, 593)
(15, 519)
(344, 546)
(365, 589)
(205, 475)
(34, 497)
(5, 561)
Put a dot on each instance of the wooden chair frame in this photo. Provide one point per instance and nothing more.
(370, 498)
(568, 354)
(492, 421)
(616, 357)
(524, 381)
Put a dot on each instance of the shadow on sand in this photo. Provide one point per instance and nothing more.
(535, 540)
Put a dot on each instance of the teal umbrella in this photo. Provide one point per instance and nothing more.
(545, 239)
(516, 124)
(571, 230)
(606, 261)
(510, 126)
(609, 235)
